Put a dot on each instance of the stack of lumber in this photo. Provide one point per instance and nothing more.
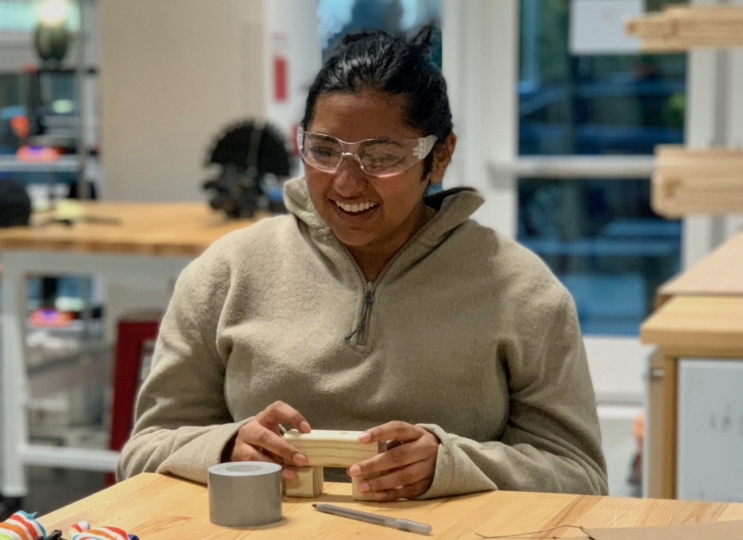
(697, 181)
(677, 29)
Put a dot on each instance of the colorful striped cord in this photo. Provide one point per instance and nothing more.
(83, 531)
(21, 526)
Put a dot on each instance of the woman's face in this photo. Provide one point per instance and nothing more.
(394, 204)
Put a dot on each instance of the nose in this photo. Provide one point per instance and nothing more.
(349, 179)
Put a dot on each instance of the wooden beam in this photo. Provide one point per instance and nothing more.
(678, 28)
(308, 484)
(697, 181)
(327, 448)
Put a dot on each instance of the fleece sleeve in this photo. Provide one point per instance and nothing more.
(552, 441)
(182, 421)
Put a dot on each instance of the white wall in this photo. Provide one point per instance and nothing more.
(173, 75)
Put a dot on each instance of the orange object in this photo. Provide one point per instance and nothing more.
(19, 124)
(37, 154)
(46, 317)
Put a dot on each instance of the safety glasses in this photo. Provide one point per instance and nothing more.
(376, 157)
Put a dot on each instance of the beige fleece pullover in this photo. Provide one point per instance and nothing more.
(465, 333)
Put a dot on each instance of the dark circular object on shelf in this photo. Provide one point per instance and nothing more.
(253, 157)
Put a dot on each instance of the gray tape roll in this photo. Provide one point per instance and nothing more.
(244, 494)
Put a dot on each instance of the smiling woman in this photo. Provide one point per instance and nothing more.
(374, 307)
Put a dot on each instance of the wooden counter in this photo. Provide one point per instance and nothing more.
(718, 274)
(156, 507)
(699, 315)
(128, 228)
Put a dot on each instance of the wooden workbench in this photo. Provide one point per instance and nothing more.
(699, 315)
(127, 228)
(131, 244)
(156, 507)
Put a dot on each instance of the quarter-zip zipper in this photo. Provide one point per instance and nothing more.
(366, 308)
(362, 328)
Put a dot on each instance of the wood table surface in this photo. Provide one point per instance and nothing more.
(720, 273)
(157, 507)
(128, 228)
(697, 326)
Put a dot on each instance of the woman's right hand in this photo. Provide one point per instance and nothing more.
(261, 439)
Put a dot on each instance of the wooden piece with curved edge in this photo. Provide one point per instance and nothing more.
(308, 484)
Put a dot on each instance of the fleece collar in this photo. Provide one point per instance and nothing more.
(454, 207)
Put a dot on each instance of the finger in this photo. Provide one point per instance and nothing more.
(247, 452)
(405, 492)
(405, 454)
(289, 473)
(401, 477)
(279, 413)
(402, 431)
(277, 445)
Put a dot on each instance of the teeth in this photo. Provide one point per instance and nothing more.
(353, 208)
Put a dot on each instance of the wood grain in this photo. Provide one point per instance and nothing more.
(184, 229)
(697, 181)
(719, 273)
(329, 448)
(697, 326)
(309, 483)
(677, 29)
(157, 507)
(670, 425)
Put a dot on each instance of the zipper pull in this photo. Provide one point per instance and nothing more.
(365, 310)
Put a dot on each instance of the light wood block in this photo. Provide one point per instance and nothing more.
(328, 448)
(697, 181)
(308, 484)
(356, 494)
(679, 28)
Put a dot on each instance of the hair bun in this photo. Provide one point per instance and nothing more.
(424, 39)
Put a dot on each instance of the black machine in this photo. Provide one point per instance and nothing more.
(15, 204)
(254, 159)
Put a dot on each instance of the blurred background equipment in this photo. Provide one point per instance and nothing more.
(254, 161)
(52, 35)
(15, 204)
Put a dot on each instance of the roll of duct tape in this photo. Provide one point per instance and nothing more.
(244, 494)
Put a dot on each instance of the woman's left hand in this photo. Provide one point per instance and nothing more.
(406, 470)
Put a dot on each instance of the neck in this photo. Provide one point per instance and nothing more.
(373, 259)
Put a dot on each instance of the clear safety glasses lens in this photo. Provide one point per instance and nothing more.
(376, 157)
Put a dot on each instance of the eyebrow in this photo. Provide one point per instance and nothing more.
(382, 140)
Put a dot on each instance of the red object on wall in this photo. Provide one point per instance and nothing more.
(280, 79)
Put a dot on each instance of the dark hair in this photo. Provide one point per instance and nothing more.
(378, 61)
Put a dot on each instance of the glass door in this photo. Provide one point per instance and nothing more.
(561, 145)
(597, 232)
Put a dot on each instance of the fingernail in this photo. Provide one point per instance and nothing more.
(304, 427)
(380, 496)
(355, 470)
(365, 437)
(299, 459)
(288, 474)
(364, 487)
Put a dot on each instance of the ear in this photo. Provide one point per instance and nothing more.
(441, 159)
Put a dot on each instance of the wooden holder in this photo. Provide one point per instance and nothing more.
(326, 448)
